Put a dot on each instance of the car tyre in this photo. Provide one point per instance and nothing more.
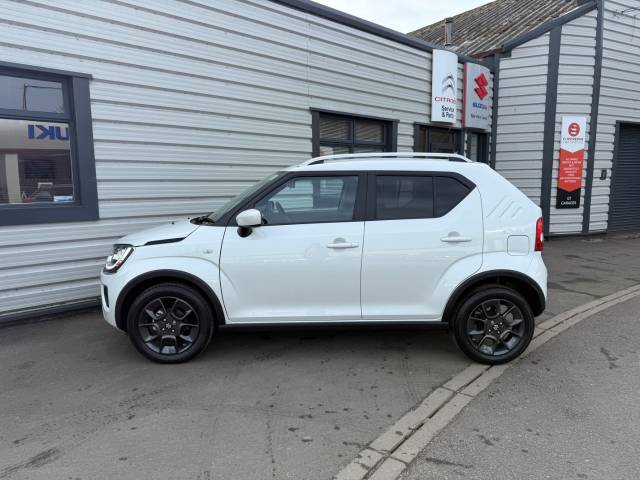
(493, 325)
(170, 323)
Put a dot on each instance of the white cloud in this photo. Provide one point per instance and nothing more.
(403, 15)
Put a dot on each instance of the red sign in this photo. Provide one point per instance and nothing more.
(571, 162)
(574, 129)
(481, 88)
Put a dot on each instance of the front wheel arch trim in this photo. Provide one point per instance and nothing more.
(156, 276)
(536, 298)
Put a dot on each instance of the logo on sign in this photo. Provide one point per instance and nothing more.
(481, 86)
(574, 129)
(52, 132)
(449, 84)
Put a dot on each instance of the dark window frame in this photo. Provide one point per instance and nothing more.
(421, 143)
(370, 215)
(482, 153)
(77, 114)
(390, 143)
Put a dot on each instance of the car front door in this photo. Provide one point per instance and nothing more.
(424, 235)
(303, 263)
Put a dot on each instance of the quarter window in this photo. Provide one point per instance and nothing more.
(449, 193)
(311, 200)
(399, 197)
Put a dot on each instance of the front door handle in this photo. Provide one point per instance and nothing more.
(340, 243)
(457, 239)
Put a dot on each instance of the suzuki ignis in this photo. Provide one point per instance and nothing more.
(394, 238)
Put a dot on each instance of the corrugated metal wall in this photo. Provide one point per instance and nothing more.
(192, 102)
(575, 87)
(521, 107)
(619, 94)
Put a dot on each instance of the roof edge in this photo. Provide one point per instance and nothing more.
(343, 18)
(585, 7)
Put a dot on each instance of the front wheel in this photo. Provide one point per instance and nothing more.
(494, 325)
(170, 323)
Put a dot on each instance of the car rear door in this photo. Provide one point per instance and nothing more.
(303, 264)
(423, 236)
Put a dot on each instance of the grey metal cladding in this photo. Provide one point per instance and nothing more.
(521, 114)
(191, 103)
(619, 100)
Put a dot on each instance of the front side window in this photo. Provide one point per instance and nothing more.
(47, 167)
(402, 197)
(311, 200)
(339, 134)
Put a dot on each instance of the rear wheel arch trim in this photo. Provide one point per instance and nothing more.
(483, 277)
(169, 275)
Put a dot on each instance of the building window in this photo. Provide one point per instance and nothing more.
(437, 139)
(47, 167)
(337, 134)
(478, 147)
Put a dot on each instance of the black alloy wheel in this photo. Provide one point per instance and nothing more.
(493, 325)
(170, 323)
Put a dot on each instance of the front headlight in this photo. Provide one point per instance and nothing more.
(118, 257)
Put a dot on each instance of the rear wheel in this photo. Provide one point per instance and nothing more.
(493, 325)
(170, 323)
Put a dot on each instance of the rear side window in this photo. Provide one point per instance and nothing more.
(401, 197)
(449, 193)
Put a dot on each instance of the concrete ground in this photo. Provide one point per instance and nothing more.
(568, 411)
(76, 400)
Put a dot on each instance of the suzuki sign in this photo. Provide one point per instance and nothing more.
(477, 101)
(444, 86)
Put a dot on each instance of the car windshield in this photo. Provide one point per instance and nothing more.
(234, 202)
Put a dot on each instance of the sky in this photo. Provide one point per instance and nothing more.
(403, 15)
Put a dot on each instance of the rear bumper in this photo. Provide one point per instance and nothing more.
(537, 271)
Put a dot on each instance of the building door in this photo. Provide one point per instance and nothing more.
(624, 204)
(437, 140)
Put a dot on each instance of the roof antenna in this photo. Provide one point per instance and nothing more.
(448, 32)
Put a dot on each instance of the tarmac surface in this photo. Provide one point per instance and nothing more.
(78, 402)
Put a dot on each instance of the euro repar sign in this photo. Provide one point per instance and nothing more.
(570, 163)
(477, 100)
(444, 87)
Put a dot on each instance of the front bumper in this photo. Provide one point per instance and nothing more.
(109, 289)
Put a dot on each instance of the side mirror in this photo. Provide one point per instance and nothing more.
(249, 218)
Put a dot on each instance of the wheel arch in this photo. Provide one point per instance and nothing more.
(148, 279)
(520, 282)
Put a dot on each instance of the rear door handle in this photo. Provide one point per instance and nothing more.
(455, 239)
(340, 243)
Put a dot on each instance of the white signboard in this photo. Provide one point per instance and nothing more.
(477, 101)
(444, 86)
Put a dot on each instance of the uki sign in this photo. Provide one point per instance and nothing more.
(477, 102)
(571, 159)
(444, 86)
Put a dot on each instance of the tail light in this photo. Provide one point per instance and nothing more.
(539, 246)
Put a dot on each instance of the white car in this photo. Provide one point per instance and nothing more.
(394, 238)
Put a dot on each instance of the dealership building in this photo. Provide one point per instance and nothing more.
(119, 115)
